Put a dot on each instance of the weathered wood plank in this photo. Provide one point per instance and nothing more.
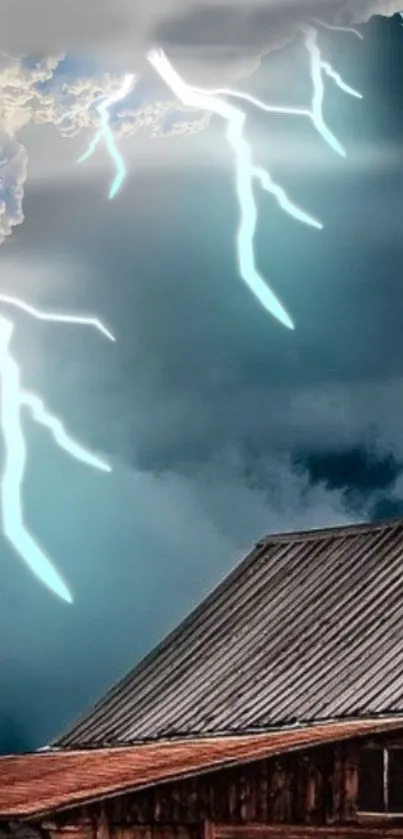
(261, 831)
(350, 785)
(313, 787)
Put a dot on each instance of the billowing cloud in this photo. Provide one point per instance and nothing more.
(13, 173)
(40, 92)
(366, 477)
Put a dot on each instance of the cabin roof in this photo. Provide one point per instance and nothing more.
(38, 784)
(307, 628)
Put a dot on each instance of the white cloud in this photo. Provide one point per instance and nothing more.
(38, 94)
(13, 173)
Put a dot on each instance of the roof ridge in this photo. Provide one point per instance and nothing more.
(340, 530)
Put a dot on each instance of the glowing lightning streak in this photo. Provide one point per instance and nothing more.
(315, 114)
(318, 66)
(13, 399)
(245, 174)
(106, 134)
(56, 317)
(335, 28)
(311, 35)
(59, 433)
(245, 170)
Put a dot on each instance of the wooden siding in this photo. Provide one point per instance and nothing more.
(316, 786)
(259, 831)
(301, 794)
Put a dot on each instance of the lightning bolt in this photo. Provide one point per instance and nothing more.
(56, 317)
(245, 170)
(105, 133)
(335, 28)
(13, 400)
(319, 67)
(315, 113)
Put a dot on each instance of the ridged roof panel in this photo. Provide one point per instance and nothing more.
(309, 627)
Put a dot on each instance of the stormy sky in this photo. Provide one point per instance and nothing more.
(220, 425)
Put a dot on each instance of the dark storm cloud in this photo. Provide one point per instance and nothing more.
(222, 28)
(359, 473)
(356, 469)
(228, 39)
(114, 26)
(255, 26)
(387, 508)
(241, 27)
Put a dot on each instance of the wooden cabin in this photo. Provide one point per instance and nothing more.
(275, 711)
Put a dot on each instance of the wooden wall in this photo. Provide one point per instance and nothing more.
(318, 786)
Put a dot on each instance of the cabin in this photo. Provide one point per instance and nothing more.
(274, 711)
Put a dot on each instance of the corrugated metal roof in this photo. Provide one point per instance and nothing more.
(309, 627)
(32, 785)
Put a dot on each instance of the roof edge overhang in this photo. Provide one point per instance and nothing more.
(62, 770)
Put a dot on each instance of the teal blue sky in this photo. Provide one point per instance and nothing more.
(220, 425)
